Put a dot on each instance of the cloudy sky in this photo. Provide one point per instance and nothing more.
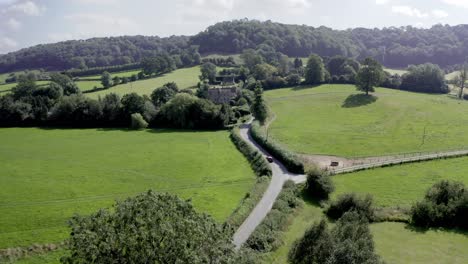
(29, 22)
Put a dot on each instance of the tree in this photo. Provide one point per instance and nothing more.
(370, 75)
(149, 228)
(461, 79)
(106, 80)
(251, 58)
(208, 72)
(351, 202)
(68, 85)
(177, 110)
(315, 72)
(297, 63)
(259, 108)
(264, 71)
(116, 80)
(162, 95)
(202, 90)
(133, 103)
(349, 241)
(426, 78)
(319, 185)
(138, 122)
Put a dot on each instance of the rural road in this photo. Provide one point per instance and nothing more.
(279, 176)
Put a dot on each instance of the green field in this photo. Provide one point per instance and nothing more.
(88, 85)
(395, 242)
(337, 120)
(402, 185)
(185, 78)
(113, 74)
(50, 174)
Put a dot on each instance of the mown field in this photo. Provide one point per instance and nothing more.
(404, 184)
(49, 174)
(185, 78)
(338, 120)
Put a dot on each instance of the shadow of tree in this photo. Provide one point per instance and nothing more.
(357, 100)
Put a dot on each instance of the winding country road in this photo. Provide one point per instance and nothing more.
(280, 175)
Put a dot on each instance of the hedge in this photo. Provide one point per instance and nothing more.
(257, 161)
(290, 160)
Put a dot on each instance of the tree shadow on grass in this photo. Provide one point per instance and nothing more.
(304, 87)
(357, 100)
(423, 230)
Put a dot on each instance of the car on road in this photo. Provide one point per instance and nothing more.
(269, 158)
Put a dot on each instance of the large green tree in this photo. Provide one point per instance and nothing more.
(106, 80)
(208, 72)
(369, 76)
(149, 228)
(349, 241)
(259, 108)
(315, 72)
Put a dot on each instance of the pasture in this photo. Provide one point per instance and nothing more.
(338, 120)
(185, 78)
(50, 174)
(404, 184)
(396, 243)
(395, 71)
(121, 74)
(88, 85)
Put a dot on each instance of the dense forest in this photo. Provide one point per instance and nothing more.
(394, 47)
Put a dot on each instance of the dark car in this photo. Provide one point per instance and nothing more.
(269, 158)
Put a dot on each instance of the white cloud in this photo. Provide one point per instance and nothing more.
(7, 44)
(459, 3)
(382, 2)
(13, 24)
(437, 13)
(409, 11)
(29, 8)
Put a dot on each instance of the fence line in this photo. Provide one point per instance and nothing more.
(405, 159)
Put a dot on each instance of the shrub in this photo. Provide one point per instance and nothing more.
(350, 241)
(351, 202)
(444, 205)
(293, 79)
(257, 161)
(319, 185)
(290, 160)
(138, 122)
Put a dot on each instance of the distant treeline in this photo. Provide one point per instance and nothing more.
(394, 47)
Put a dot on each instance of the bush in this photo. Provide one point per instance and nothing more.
(350, 241)
(290, 160)
(319, 185)
(138, 122)
(445, 205)
(293, 79)
(266, 236)
(351, 202)
(149, 228)
(257, 161)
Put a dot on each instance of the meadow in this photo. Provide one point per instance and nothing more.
(121, 74)
(185, 78)
(401, 185)
(50, 174)
(338, 120)
(395, 242)
(395, 71)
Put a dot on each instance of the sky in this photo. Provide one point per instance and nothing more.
(24, 23)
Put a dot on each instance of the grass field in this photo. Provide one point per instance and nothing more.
(396, 243)
(338, 120)
(49, 174)
(185, 78)
(88, 85)
(402, 185)
(113, 74)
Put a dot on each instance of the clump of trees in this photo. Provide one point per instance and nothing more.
(444, 205)
(349, 241)
(369, 76)
(315, 72)
(319, 185)
(351, 202)
(426, 78)
(149, 228)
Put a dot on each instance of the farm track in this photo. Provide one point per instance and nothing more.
(280, 175)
